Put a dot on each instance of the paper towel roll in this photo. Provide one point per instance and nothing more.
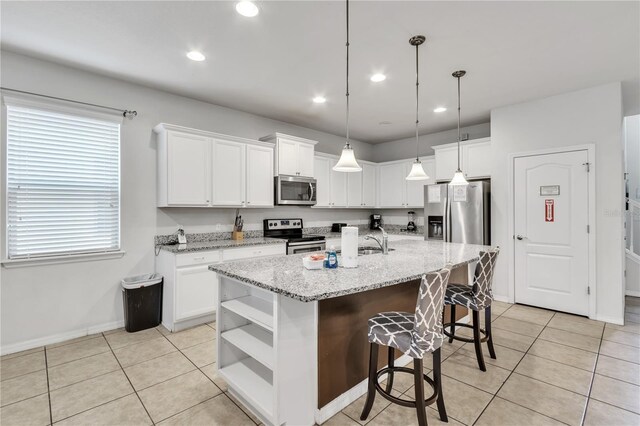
(349, 246)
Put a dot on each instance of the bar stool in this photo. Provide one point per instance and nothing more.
(415, 335)
(476, 298)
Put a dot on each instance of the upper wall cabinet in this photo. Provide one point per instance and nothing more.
(204, 169)
(294, 155)
(361, 187)
(395, 191)
(331, 185)
(475, 159)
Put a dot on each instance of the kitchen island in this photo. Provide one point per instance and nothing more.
(292, 343)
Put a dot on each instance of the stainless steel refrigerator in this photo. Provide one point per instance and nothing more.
(458, 214)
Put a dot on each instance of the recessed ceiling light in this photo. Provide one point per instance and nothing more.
(440, 109)
(194, 55)
(247, 8)
(319, 99)
(376, 78)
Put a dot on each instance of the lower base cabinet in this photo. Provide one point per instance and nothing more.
(190, 294)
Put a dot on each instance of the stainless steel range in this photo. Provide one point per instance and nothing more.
(291, 230)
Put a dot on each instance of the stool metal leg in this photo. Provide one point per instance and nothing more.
(390, 374)
(437, 378)
(487, 328)
(452, 330)
(419, 391)
(371, 392)
(477, 340)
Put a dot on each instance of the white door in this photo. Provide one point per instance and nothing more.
(259, 176)
(392, 187)
(287, 157)
(338, 187)
(354, 188)
(196, 292)
(368, 185)
(305, 159)
(189, 163)
(323, 181)
(551, 237)
(228, 173)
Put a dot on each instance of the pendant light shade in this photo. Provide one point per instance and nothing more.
(458, 177)
(417, 171)
(347, 162)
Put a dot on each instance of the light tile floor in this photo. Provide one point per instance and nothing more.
(552, 368)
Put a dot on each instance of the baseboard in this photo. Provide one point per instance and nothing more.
(632, 293)
(504, 299)
(57, 338)
(612, 320)
(344, 400)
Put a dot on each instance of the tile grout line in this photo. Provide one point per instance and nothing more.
(511, 374)
(46, 368)
(129, 380)
(593, 377)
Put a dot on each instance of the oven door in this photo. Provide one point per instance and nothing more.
(306, 247)
(295, 190)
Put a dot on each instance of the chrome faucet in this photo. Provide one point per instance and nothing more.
(384, 244)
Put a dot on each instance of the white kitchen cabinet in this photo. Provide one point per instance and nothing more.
(187, 170)
(391, 184)
(395, 191)
(369, 184)
(475, 159)
(190, 292)
(294, 156)
(331, 186)
(196, 292)
(229, 174)
(361, 187)
(197, 168)
(259, 176)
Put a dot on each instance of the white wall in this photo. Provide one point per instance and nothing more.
(590, 116)
(68, 300)
(406, 148)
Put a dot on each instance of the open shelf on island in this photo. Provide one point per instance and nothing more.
(254, 341)
(253, 308)
(252, 381)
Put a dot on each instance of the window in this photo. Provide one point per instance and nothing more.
(63, 182)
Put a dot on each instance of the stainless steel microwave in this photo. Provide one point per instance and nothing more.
(295, 190)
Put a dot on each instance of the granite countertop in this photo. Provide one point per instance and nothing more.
(409, 261)
(219, 244)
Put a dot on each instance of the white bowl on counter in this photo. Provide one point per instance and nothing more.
(309, 263)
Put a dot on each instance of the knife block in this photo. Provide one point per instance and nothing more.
(237, 235)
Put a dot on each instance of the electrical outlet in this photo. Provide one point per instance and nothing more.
(218, 227)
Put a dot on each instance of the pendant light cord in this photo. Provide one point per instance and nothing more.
(459, 123)
(417, 103)
(348, 144)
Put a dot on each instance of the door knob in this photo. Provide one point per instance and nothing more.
(520, 237)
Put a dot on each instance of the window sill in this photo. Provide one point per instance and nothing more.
(52, 260)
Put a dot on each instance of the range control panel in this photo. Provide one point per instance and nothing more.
(273, 224)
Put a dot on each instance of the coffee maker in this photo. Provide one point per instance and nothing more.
(375, 221)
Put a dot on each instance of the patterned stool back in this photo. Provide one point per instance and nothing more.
(427, 335)
(483, 277)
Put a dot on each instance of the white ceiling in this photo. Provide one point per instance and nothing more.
(272, 65)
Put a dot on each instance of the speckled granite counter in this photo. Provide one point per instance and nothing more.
(410, 259)
(219, 244)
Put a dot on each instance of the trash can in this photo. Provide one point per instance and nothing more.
(142, 300)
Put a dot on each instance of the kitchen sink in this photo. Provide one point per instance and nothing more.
(365, 251)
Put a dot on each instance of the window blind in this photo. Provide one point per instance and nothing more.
(63, 184)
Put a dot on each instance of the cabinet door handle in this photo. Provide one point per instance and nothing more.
(248, 202)
(198, 258)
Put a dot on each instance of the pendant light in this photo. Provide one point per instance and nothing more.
(347, 162)
(458, 177)
(417, 172)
